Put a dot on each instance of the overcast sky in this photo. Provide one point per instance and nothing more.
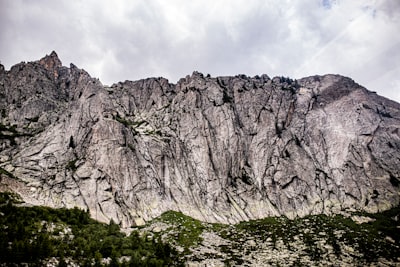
(129, 40)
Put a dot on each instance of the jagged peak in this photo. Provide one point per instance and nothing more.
(51, 62)
(197, 74)
(53, 54)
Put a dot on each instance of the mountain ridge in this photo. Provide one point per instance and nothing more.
(223, 149)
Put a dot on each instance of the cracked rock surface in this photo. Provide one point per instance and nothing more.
(223, 149)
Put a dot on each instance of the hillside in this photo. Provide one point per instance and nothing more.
(224, 149)
(270, 171)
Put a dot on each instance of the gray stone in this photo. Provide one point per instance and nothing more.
(223, 149)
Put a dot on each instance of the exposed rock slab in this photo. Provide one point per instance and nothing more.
(223, 149)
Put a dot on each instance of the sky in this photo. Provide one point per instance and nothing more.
(130, 40)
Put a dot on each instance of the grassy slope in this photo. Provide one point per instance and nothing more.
(312, 239)
(31, 234)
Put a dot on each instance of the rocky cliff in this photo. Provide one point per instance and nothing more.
(222, 149)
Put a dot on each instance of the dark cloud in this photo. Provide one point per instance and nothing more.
(119, 40)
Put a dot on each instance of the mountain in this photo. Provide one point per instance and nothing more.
(224, 149)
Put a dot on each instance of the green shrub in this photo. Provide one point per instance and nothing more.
(27, 237)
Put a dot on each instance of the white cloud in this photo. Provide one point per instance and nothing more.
(119, 40)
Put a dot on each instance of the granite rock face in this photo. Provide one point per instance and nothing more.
(222, 149)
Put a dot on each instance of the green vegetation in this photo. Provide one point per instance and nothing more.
(128, 123)
(10, 133)
(34, 119)
(185, 231)
(134, 125)
(370, 239)
(5, 172)
(313, 237)
(34, 234)
(71, 165)
(152, 132)
(379, 238)
(7, 197)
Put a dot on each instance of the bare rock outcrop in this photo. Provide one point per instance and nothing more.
(222, 149)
